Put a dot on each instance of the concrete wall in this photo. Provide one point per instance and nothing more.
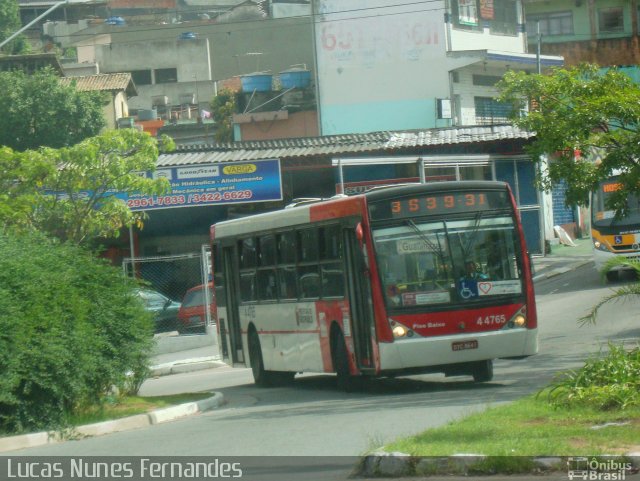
(189, 57)
(297, 124)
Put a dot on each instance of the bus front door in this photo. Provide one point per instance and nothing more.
(360, 304)
(233, 312)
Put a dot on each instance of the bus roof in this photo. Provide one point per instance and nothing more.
(337, 207)
(410, 189)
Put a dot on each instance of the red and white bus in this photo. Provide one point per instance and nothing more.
(401, 280)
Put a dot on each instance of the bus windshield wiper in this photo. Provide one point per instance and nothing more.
(437, 248)
(474, 234)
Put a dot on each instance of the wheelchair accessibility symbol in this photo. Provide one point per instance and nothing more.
(468, 289)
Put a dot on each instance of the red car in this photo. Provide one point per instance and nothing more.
(192, 316)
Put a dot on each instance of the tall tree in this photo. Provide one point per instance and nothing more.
(70, 193)
(9, 24)
(223, 107)
(587, 120)
(36, 110)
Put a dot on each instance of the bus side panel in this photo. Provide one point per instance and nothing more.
(279, 341)
(328, 312)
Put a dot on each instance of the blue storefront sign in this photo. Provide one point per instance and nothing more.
(213, 184)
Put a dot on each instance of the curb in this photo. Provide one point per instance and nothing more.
(186, 365)
(561, 270)
(159, 416)
(396, 464)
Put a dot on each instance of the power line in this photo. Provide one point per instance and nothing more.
(268, 26)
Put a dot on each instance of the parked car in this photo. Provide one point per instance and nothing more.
(192, 316)
(165, 310)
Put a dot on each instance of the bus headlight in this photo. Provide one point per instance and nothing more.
(600, 246)
(519, 319)
(399, 331)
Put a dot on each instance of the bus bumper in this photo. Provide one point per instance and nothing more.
(600, 257)
(438, 351)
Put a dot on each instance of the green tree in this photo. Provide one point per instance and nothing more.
(22, 176)
(36, 110)
(580, 113)
(87, 177)
(70, 192)
(223, 106)
(9, 24)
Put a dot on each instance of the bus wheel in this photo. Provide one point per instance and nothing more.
(612, 276)
(341, 363)
(260, 376)
(483, 371)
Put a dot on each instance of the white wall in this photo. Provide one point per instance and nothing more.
(375, 59)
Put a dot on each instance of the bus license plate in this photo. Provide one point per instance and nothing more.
(462, 345)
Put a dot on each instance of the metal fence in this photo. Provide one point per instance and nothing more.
(167, 281)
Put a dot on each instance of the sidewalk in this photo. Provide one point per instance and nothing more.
(206, 357)
(562, 259)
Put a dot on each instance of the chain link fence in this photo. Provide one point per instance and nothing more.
(175, 289)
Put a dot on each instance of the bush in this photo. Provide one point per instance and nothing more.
(608, 382)
(71, 329)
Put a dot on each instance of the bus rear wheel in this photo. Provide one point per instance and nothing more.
(483, 371)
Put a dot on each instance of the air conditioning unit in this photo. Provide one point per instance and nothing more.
(187, 99)
(159, 100)
(125, 122)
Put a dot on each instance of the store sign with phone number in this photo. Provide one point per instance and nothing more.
(213, 184)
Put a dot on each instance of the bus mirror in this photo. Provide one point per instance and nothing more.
(359, 233)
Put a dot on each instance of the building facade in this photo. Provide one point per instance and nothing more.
(604, 32)
(416, 65)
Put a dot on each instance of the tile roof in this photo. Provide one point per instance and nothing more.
(106, 82)
(335, 145)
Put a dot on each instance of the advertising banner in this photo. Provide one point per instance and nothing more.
(213, 184)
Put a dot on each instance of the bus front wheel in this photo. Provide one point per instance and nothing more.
(260, 376)
(341, 363)
(483, 371)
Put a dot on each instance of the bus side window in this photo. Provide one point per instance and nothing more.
(287, 277)
(309, 282)
(248, 286)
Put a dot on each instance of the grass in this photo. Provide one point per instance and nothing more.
(530, 427)
(120, 407)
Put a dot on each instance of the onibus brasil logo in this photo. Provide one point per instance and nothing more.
(597, 469)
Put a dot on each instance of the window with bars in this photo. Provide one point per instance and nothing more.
(490, 111)
(610, 20)
(553, 23)
(505, 17)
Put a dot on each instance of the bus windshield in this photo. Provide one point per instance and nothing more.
(602, 216)
(427, 262)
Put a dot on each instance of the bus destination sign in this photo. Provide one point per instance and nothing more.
(439, 203)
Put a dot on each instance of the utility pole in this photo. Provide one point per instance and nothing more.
(538, 47)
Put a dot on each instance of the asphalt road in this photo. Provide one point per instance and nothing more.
(314, 418)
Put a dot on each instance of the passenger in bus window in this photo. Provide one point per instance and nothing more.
(495, 261)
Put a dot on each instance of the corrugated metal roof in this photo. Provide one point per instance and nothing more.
(106, 82)
(334, 145)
